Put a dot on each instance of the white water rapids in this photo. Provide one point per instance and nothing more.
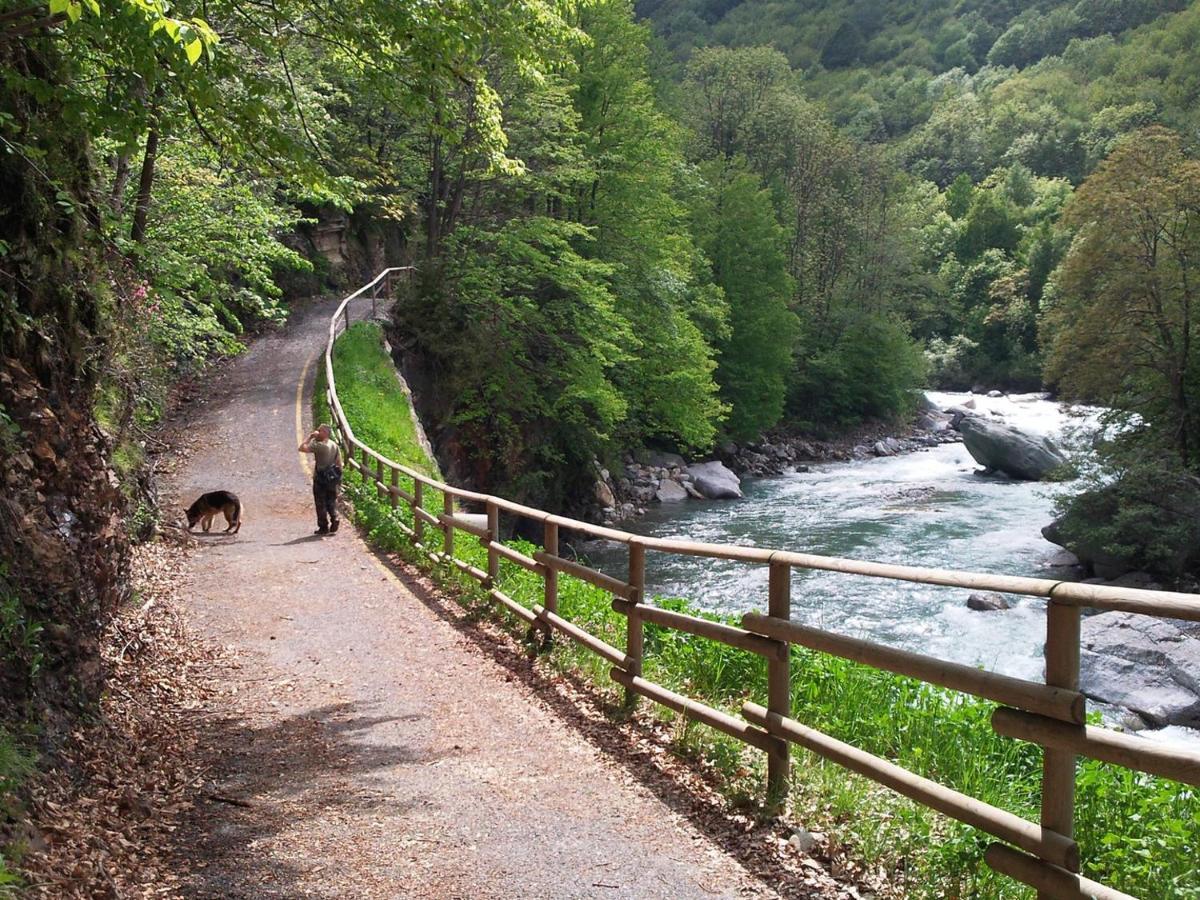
(927, 508)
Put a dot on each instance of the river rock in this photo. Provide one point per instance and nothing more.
(987, 601)
(995, 393)
(670, 492)
(1090, 553)
(958, 413)
(1062, 559)
(1143, 581)
(1002, 448)
(1143, 663)
(715, 481)
(660, 459)
(604, 495)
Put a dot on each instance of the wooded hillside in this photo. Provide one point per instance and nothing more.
(793, 220)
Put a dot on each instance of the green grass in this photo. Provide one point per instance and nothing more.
(1136, 832)
(371, 398)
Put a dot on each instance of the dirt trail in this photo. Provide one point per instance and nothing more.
(385, 754)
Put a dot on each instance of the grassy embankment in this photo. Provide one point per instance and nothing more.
(1137, 833)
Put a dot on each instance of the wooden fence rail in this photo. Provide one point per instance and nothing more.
(1050, 714)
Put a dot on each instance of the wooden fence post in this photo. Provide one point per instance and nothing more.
(346, 311)
(779, 681)
(448, 529)
(374, 298)
(418, 501)
(493, 526)
(550, 598)
(1058, 766)
(633, 621)
(393, 498)
(379, 488)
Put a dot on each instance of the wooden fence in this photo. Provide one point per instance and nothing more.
(1043, 855)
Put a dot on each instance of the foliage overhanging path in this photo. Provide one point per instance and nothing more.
(388, 755)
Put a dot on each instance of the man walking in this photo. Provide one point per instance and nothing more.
(327, 475)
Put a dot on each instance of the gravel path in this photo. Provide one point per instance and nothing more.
(379, 750)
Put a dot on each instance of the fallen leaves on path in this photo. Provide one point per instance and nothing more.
(102, 817)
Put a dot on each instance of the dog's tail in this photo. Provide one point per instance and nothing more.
(237, 516)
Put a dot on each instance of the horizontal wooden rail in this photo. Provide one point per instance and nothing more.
(515, 556)
(1053, 881)
(1046, 844)
(400, 492)
(426, 516)
(1126, 750)
(463, 525)
(474, 571)
(1134, 600)
(706, 628)
(1051, 701)
(513, 606)
(1177, 605)
(601, 648)
(613, 585)
(698, 711)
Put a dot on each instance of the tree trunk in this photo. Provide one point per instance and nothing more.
(145, 184)
(121, 173)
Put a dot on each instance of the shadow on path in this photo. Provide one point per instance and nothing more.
(746, 834)
(320, 759)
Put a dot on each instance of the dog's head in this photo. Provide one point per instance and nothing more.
(194, 512)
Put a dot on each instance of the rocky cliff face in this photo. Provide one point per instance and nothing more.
(62, 543)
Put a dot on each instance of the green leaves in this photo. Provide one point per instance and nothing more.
(71, 8)
(193, 36)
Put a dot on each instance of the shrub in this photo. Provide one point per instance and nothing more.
(871, 372)
(1138, 514)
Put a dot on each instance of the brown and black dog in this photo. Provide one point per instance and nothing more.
(206, 508)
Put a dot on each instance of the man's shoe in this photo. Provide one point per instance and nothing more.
(334, 527)
(321, 531)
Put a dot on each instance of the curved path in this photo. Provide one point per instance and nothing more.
(380, 752)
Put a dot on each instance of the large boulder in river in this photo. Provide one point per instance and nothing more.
(715, 481)
(1143, 663)
(1002, 448)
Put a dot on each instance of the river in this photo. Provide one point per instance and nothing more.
(927, 508)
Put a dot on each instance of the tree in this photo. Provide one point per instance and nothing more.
(725, 90)
(990, 223)
(958, 195)
(745, 243)
(1122, 329)
(659, 276)
(844, 47)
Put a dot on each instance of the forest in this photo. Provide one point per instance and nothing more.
(673, 225)
(731, 218)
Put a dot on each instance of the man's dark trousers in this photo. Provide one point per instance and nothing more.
(325, 498)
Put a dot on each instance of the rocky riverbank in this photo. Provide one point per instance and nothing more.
(653, 477)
